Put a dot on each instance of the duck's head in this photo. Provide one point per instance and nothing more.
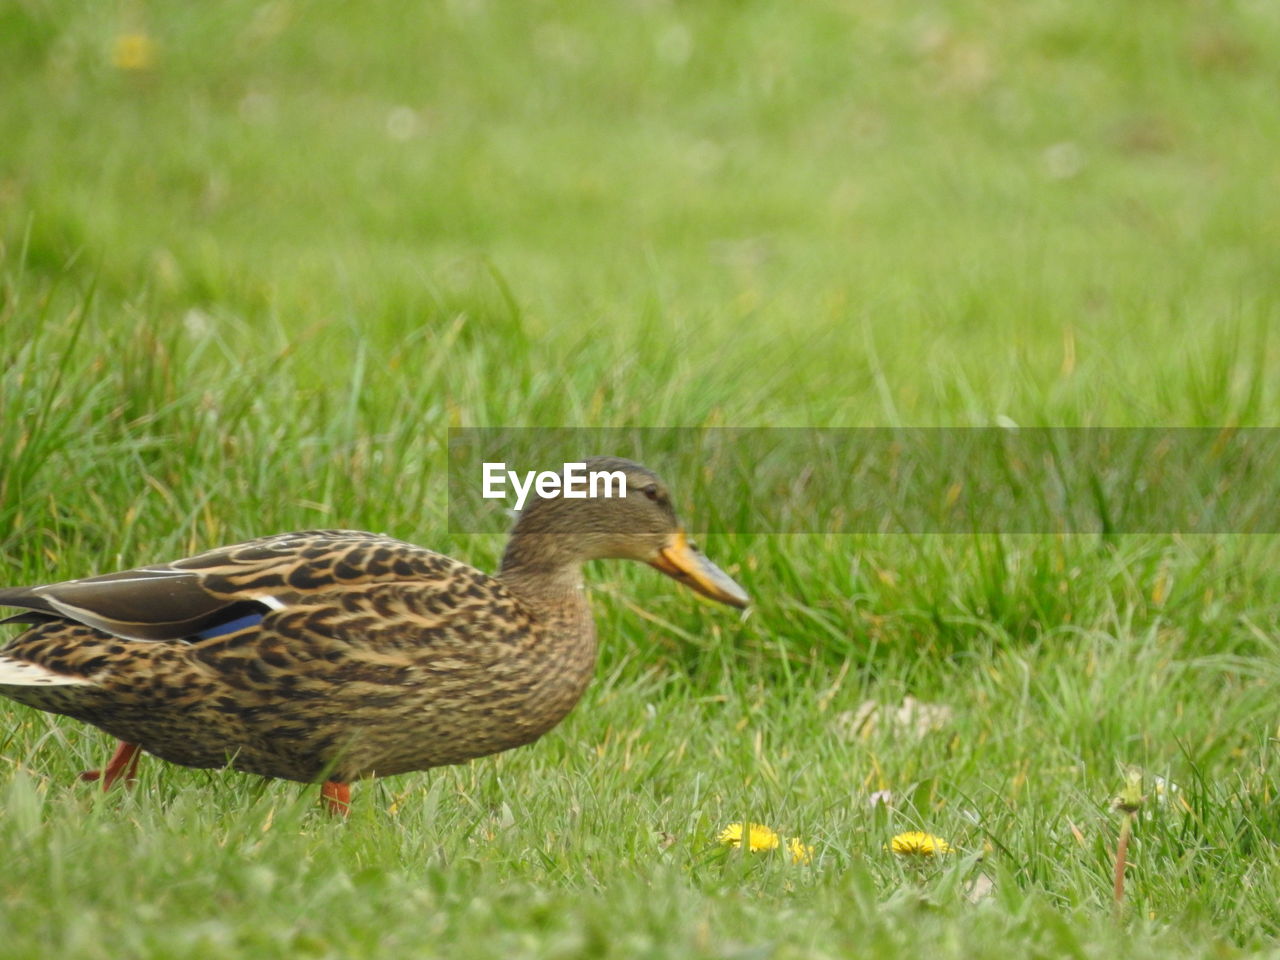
(629, 517)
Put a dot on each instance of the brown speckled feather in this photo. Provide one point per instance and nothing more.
(336, 654)
(372, 657)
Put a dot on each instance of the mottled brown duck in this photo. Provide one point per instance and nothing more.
(333, 655)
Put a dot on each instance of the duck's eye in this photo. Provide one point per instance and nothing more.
(651, 491)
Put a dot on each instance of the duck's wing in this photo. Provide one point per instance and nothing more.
(218, 590)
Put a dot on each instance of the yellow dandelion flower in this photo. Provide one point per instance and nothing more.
(800, 851)
(914, 843)
(759, 837)
(133, 52)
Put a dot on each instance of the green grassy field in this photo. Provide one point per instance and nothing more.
(257, 258)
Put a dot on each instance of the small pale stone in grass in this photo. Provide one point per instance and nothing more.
(913, 718)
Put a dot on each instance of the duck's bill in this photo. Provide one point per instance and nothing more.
(681, 560)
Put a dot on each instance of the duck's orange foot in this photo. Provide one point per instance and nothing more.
(123, 763)
(336, 797)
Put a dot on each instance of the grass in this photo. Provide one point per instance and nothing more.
(249, 287)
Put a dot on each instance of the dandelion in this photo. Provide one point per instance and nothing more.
(914, 843)
(759, 837)
(133, 52)
(1130, 799)
(1129, 802)
(799, 851)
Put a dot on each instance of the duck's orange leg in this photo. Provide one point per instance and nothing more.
(337, 797)
(123, 763)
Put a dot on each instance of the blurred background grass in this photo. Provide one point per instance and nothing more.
(256, 258)
(849, 213)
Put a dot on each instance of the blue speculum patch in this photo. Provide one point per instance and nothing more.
(231, 626)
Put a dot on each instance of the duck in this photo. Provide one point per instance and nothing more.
(331, 656)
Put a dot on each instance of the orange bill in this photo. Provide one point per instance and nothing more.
(683, 561)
